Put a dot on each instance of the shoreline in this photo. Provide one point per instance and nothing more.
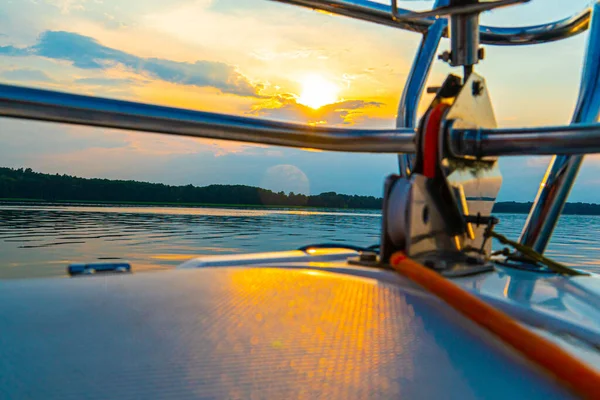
(17, 201)
(508, 207)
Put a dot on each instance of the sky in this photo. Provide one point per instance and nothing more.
(262, 59)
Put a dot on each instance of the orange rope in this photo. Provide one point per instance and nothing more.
(576, 375)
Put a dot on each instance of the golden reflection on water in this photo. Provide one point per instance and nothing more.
(41, 241)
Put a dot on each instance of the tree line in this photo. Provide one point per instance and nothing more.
(27, 184)
(513, 207)
(24, 183)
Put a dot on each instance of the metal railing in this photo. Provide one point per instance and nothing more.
(582, 137)
(562, 171)
(417, 78)
(555, 140)
(45, 105)
(542, 140)
(382, 14)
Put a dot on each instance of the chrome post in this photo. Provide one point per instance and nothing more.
(417, 78)
(464, 40)
(561, 173)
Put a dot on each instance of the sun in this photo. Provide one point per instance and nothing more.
(317, 91)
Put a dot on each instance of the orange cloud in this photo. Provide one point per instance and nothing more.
(286, 107)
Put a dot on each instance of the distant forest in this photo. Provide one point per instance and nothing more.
(25, 184)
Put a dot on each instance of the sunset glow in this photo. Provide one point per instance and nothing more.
(317, 92)
(284, 63)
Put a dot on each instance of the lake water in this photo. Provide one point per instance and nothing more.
(40, 241)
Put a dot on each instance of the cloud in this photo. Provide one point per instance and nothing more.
(24, 74)
(66, 6)
(106, 81)
(86, 53)
(285, 107)
(14, 51)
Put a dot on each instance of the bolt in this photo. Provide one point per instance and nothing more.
(433, 89)
(445, 56)
(477, 88)
(368, 256)
(481, 53)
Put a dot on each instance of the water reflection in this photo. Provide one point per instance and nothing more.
(42, 240)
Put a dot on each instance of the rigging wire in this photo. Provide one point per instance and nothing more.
(533, 255)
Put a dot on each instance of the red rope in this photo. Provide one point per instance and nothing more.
(432, 139)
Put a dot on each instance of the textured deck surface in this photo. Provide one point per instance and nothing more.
(247, 333)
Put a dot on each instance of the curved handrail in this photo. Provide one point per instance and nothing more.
(534, 34)
(448, 10)
(47, 105)
(503, 36)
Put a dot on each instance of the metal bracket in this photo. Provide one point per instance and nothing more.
(435, 214)
(475, 182)
(464, 27)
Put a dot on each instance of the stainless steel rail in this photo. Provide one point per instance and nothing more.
(562, 171)
(382, 14)
(44, 105)
(417, 78)
(447, 10)
(543, 140)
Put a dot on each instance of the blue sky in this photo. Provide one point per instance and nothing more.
(258, 58)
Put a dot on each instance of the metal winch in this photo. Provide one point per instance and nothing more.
(441, 211)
